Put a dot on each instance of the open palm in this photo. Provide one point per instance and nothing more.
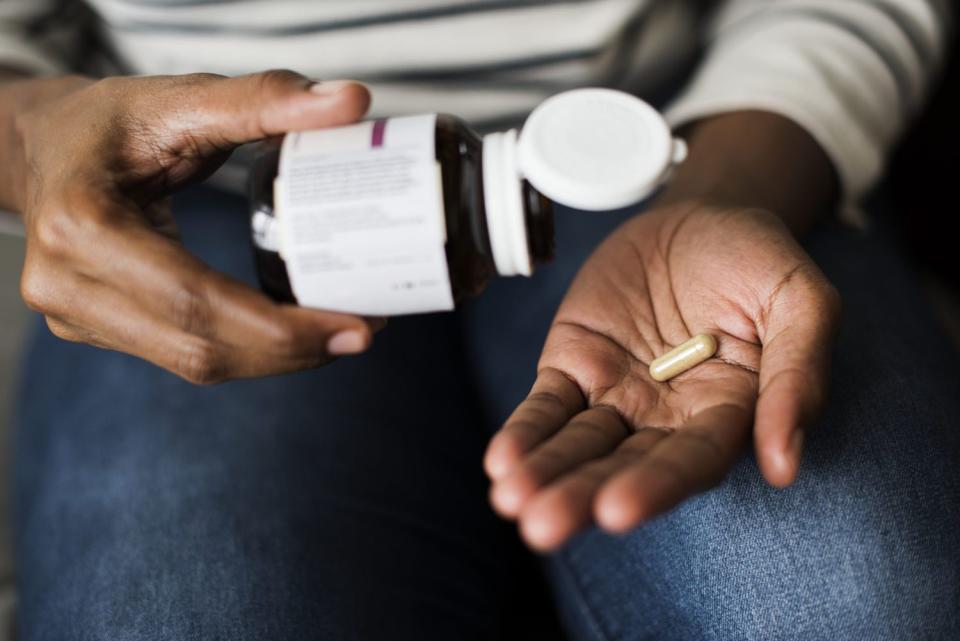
(598, 440)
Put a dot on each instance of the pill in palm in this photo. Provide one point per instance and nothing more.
(683, 357)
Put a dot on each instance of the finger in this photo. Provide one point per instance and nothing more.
(179, 289)
(553, 400)
(692, 459)
(206, 303)
(112, 320)
(794, 372)
(589, 435)
(232, 111)
(566, 506)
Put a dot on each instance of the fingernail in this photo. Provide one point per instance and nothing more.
(349, 341)
(329, 88)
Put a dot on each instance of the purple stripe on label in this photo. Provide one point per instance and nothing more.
(379, 126)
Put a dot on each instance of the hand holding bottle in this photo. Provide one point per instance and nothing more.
(94, 164)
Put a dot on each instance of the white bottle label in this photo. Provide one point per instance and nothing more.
(360, 212)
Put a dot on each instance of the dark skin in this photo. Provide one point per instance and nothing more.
(91, 166)
(598, 440)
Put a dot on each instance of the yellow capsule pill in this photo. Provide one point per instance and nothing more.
(683, 357)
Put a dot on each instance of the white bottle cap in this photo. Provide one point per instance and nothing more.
(597, 149)
(503, 199)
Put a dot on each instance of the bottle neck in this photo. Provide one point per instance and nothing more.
(505, 206)
(538, 216)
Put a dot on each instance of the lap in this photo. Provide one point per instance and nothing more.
(348, 502)
(343, 503)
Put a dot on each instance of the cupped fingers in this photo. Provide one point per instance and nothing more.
(553, 400)
(589, 435)
(264, 336)
(693, 458)
(566, 506)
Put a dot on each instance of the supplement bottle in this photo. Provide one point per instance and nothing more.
(416, 213)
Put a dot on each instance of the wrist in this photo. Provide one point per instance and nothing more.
(19, 95)
(754, 159)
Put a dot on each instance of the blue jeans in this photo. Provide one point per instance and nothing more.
(349, 503)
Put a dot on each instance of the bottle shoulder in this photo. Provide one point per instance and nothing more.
(455, 130)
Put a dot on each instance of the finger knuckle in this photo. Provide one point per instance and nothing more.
(61, 330)
(63, 230)
(53, 232)
(286, 339)
(37, 291)
(546, 397)
(200, 362)
(275, 80)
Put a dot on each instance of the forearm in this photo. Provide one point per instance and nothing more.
(756, 159)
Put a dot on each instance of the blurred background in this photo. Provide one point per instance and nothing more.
(920, 196)
(918, 202)
(13, 320)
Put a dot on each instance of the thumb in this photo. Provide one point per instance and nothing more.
(233, 111)
(794, 371)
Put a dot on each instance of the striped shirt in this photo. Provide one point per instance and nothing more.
(851, 72)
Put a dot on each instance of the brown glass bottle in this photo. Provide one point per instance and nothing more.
(469, 255)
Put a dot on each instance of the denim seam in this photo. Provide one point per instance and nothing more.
(590, 614)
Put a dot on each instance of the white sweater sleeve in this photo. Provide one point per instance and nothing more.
(851, 72)
(21, 49)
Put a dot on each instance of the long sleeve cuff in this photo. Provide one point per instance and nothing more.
(850, 74)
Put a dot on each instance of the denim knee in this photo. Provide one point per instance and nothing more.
(863, 546)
